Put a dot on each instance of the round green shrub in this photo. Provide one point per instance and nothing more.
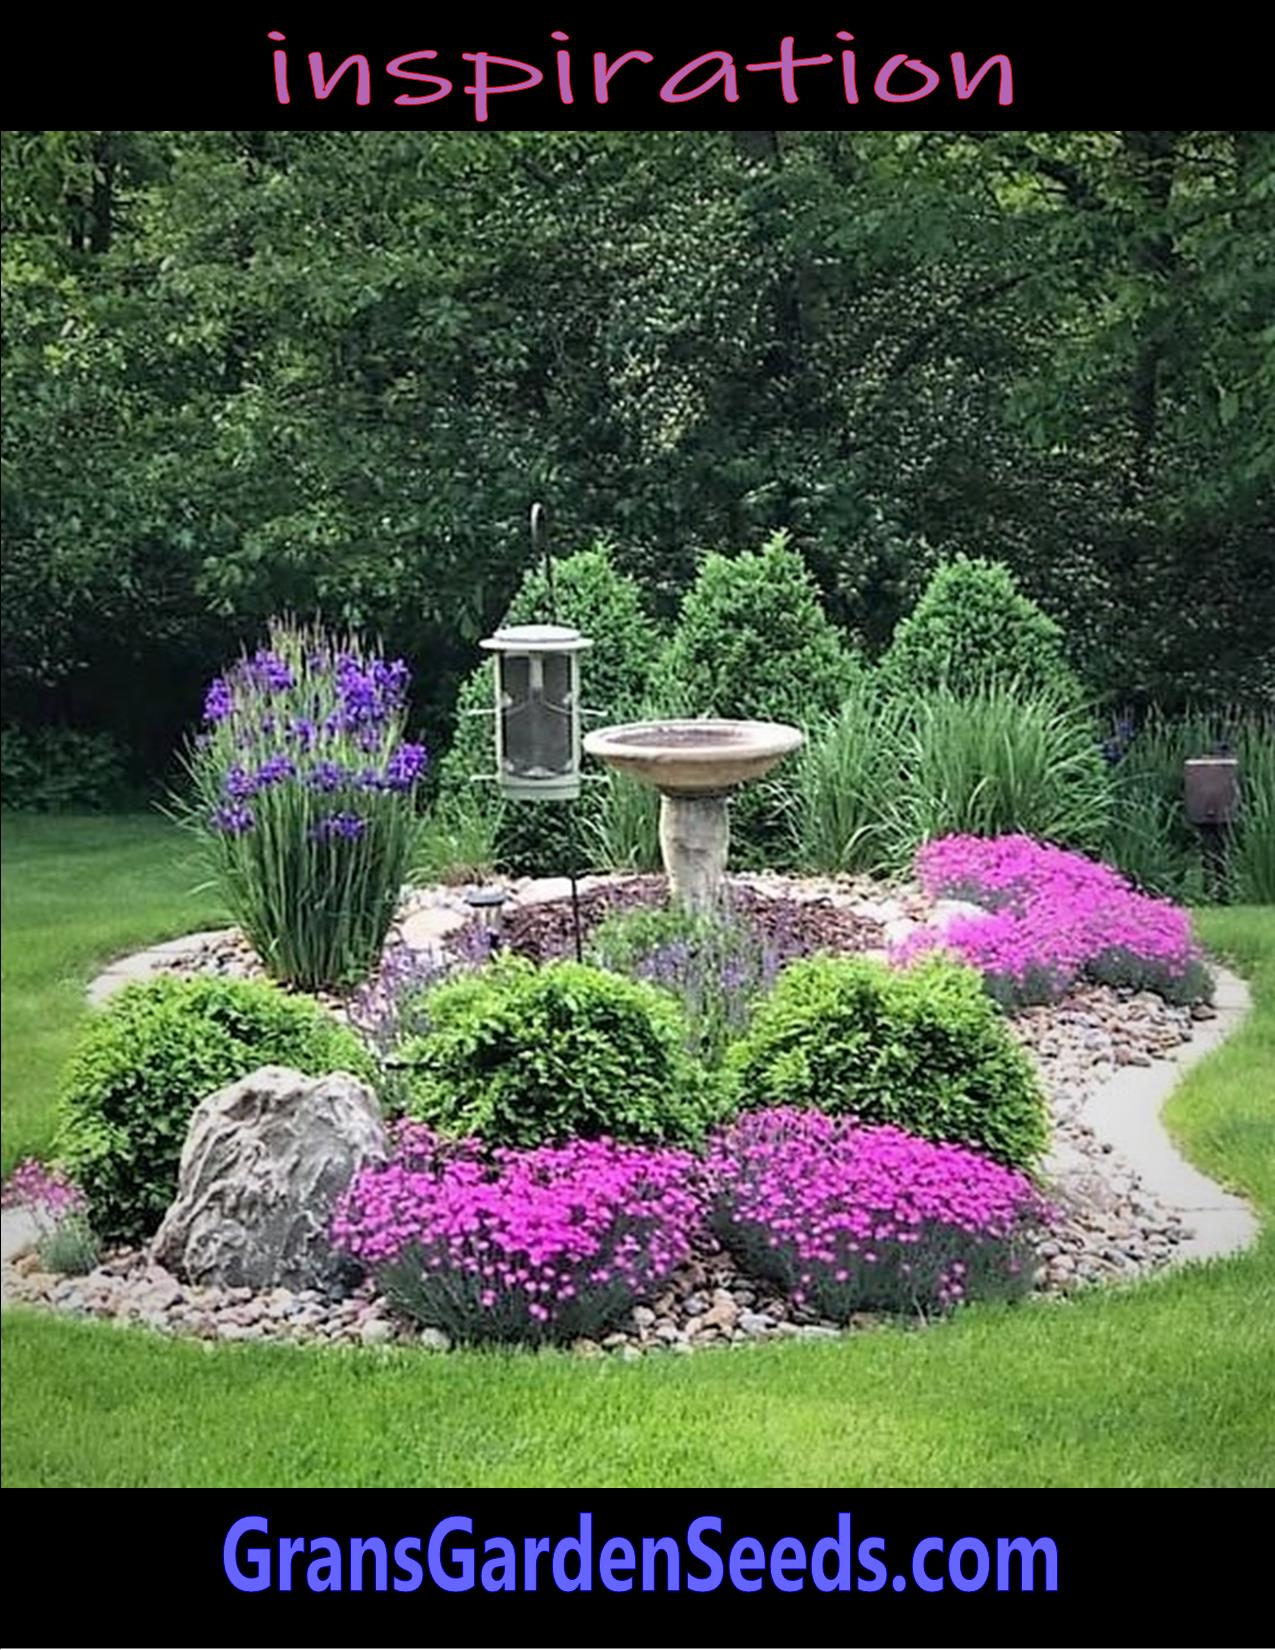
(972, 626)
(522, 1056)
(607, 606)
(922, 1047)
(753, 641)
(146, 1061)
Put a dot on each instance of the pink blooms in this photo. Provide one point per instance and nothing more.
(550, 1242)
(1053, 917)
(848, 1218)
(46, 1192)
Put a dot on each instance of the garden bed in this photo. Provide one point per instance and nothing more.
(1109, 1227)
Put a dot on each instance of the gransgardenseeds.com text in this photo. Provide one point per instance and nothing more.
(455, 1557)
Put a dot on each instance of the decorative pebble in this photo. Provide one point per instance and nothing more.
(1108, 1229)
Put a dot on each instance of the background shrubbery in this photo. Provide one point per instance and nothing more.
(60, 770)
(752, 640)
(150, 1056)
(679, 340)
(973, 627)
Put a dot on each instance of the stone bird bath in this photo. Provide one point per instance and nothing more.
(695, 765)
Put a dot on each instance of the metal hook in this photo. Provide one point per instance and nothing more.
(540, 547)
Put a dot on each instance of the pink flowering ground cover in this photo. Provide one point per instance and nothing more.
(44, 1192)
(849, 1218)
(1054, 917)
(520, 1244)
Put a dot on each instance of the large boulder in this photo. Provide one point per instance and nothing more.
(263, 1165)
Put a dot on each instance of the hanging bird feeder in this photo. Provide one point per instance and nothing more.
(538, 711)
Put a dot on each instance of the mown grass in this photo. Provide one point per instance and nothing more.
(77, 892)
(1169, 1383)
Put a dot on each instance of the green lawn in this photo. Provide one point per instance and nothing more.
(77, 892)
(1171, 1383)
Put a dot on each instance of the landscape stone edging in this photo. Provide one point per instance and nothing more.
(1124, 1111)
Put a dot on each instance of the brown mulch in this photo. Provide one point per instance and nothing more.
(796, 926)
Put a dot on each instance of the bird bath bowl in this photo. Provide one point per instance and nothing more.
(695, 765)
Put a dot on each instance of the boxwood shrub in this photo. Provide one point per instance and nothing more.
(972, 626)
(924, 1048)
(753, 641)
(150, 1056)
(521, 1056)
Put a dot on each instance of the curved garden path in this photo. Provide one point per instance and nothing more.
(1124, 1111)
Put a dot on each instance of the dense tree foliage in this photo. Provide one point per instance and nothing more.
(327, 372)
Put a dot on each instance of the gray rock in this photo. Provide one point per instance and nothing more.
(263, 1165)
(434, 1340)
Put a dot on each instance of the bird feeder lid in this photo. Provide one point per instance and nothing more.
(536, 638)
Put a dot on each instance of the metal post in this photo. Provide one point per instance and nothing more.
(540, 545)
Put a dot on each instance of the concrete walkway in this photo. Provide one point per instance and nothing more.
(1125, 1113)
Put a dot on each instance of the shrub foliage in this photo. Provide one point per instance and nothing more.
(973, 625)
(752, 640)
(924, 1048)
(146, 1061)
(521, 1056)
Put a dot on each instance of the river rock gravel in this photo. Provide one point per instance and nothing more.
(1108, 1228)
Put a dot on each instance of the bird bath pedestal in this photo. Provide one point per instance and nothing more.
(695, 765)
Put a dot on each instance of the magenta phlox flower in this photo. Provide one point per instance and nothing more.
(1053, 917)
(850, 1218)
(518, 1244)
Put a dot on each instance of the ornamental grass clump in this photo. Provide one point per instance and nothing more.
(304, 793)
(514, 1245)
(1055, 917)
(848, 1218)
